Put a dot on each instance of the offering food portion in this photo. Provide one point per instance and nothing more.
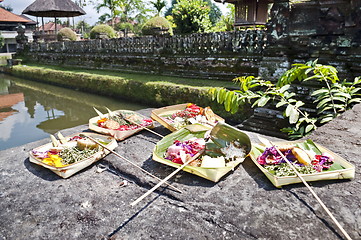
(69, 155)
(120, 124)
(224, 148)
(310, 159)
(177, 116)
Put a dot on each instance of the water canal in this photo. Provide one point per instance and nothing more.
(30, 110)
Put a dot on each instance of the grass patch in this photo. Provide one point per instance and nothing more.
(144, 78)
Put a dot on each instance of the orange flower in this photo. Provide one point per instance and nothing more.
(102, 120)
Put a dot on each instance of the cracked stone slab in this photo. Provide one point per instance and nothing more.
(37, 204)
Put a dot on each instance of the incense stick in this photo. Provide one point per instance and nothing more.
(145, 128)
(120, 156)
(166, 179)
(132, 122)
(309, 188)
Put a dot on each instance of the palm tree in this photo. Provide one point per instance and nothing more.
(112, 5)
(159, 5)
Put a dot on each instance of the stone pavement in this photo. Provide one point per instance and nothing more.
(37, 204)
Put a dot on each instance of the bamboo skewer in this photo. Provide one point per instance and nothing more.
(309, 188)
(132, 122)
(166, 178)
(120, 156)
(145, 128)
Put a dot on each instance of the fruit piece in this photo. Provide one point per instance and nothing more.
(111, 124)
(211, 117)
(209, 162)
(86, 143)
(301, 155)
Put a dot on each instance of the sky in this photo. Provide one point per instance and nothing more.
(91, 17)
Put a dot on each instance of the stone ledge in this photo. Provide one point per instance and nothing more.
(36, 204)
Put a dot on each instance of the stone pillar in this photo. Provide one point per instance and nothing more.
(275, 60)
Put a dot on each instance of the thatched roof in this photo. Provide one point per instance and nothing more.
(54, 8)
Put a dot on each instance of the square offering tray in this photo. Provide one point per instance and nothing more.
(344, 169)
(71, 169)
(160, 114)
(118, 134)
(221, 134)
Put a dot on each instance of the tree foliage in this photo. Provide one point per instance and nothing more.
(158, 5)
(191, 16)
(126, 10)
(7, 7)
(226, 22)
(112, 6)
(214, 12)
(332, 98)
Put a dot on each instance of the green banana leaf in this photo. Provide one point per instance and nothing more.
(340, 169)
(221, 135)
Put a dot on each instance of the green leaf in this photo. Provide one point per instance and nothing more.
(263, 100)
(355, 90)
(281, 103)
(294, 115)
(355, 100)
(288, 110)
(284, 88)
(342, 94)
(340, 99)
(320, 91)
(299, 104)
(323, 102)
(221, 95)
(326, 118)
(228, 101)
(212, 93)
(323, 109)
(309, 128)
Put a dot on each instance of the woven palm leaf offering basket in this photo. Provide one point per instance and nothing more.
(177, 116)
(120, 124)
(312, 160)
(224, 147)
(70, 154)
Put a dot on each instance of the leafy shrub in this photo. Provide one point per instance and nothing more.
(331, 99)
(191, 16)
(66, 33)
(153, 25)
(102, 29)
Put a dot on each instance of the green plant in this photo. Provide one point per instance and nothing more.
(151, 26)
(2, 41)
(191, 16)
(102, 28)
(332, 98)
(158, 5)
(66, 33)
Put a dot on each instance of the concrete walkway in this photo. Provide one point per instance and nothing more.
(37, 204)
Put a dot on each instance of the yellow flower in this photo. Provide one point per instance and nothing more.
(54, 160)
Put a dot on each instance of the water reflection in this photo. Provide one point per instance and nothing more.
(31, 110)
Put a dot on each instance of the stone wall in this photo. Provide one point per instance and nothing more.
(209, 55)
(328, 30)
